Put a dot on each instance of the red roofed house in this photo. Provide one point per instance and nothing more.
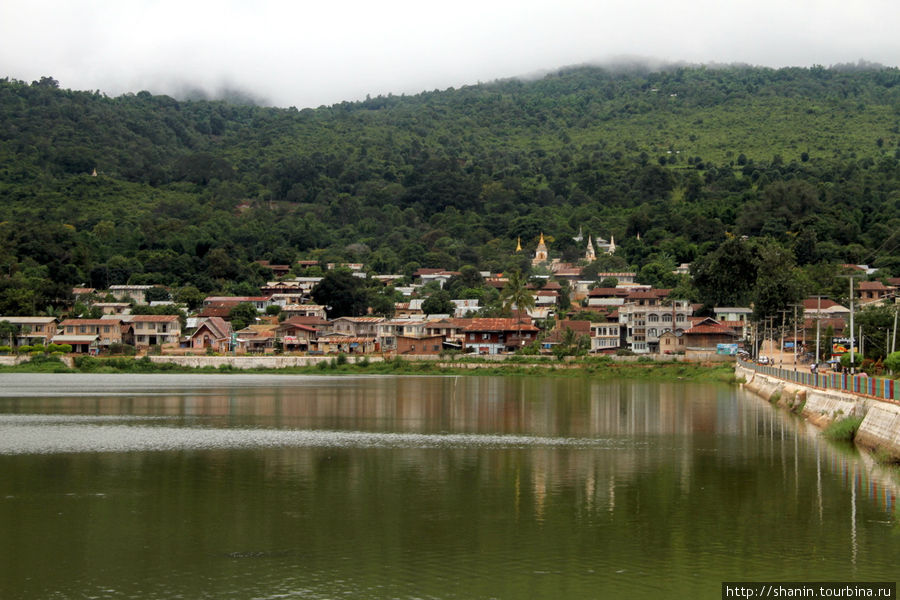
(707, 334)
(214, 334)
(152, 330)
(296, 335)
(84, 334)
(494, 336)
(871, 291)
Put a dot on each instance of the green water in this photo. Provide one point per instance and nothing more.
(422, 487)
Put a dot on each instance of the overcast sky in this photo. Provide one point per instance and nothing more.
(306, 54)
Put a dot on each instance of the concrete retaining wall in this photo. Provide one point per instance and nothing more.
(252, 362)
(879, 430)
(11, 361)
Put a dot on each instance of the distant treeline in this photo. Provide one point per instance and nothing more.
(673, 164)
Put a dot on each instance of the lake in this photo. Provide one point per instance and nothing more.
(246, 486)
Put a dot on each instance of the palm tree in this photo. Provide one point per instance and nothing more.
(515, 294)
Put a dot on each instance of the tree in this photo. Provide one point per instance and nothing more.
(9, 331)
(157, 294)
(515, 294)
(727, 275)
(438, 303)
(892, 362)
(190, 296)
(242, 314)
(776, 286)
(875, 321)
(342, 294)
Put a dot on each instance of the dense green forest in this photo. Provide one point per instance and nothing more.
(679, 165)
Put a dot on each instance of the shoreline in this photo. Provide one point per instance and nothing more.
(599, 367)
(877, 421)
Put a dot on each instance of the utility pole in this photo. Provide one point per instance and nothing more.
(795, 332)
(818, 326)
(862, 345)
(894, 339)
(783, 312)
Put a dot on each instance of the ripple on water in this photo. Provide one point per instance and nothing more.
(51, 435)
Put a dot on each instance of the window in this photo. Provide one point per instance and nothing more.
(485, 336)
(667, 318)
(472, 336)
(653, 318)
(106, 329)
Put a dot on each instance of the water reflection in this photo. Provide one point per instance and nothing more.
(464, 487)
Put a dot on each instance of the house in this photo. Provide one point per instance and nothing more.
(155, 330)
(347, 344)
(419, 344)
(290, 311)
(32, 330)
(284, 299)
(497, 335)
(605, 337)
(738, 318)
(872, 291)
(323, 326)
(213, 334)
(296, 336)
(87, 334)
(113, 308)
(671, 342)
(137, 293)
(648, 314)
(256, 339)
(824, 308)
(605, 296)
(707, 334)
(357, 326)
(259, 302)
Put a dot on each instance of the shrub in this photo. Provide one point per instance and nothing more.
(892, 362)
(119, 348)
(5, 349)
(843, 429)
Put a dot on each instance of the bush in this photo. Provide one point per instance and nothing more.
(119, 348)
(5, 349)
(24, 349)
(892, 362)
(845, 360)
(843, 429)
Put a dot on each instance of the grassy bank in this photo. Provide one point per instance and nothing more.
(595, 367)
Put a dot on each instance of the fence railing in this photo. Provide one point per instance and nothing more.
(874, 387)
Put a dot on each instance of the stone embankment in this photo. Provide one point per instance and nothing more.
(879, 430)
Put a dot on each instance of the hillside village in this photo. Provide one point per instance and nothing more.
(556, 313)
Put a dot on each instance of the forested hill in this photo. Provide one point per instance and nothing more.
(671, 163)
